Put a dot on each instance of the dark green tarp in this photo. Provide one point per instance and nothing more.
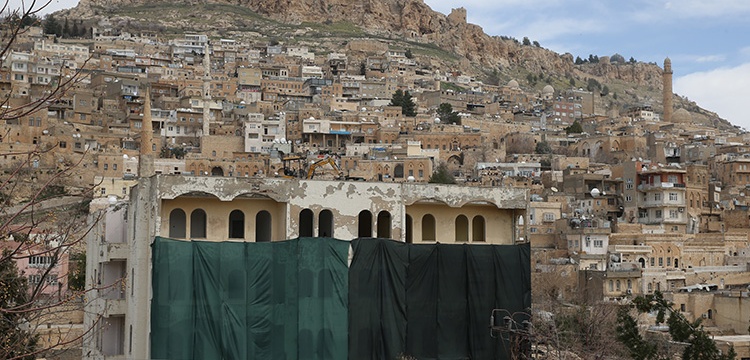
(297, 299)
(434, 301)
(236, 300)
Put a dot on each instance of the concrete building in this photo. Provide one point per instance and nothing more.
(257, 210)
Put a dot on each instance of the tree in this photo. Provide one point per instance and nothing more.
(574, 128)
(617, 58)
(39, 223)
(447, 115)
(536, 43)
(405, 101)
(632, 60)
(526, 41)
(16, 339)
(66, 28)
(700, 345)
(605, 90)
(74, 32)
(362, 68)
(409, 54)
(442, 175)
(543, 147)
(579, 61)
(51, 26)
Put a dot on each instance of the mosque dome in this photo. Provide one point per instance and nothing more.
(513, 84)
(682, 116)
(548, 89)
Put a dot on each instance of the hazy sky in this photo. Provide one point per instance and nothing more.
(706, 40)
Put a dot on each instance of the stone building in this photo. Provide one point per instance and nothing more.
(257, 210)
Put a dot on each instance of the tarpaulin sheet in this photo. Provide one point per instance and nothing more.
(238, 300)
(434, 301)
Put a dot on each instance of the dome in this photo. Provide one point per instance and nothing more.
(548, 89)
(513, 84)
(682, 116)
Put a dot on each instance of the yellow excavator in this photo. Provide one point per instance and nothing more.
(298, 171)
(323, 162)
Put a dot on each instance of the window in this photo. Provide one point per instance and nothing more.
(657, 197)
(661, 261)
(673, 214)
(428, 228)
(628, 198)
(598, 243)
(658, 214)
(611, 286)
(549, 217)
(672, 179)
(38, 261)
(103, 191)
(629, 186)
(652, 261)
(617, 285)
(114, 166)
(669, 261)
(106, 166)
(236, 225)
(672, 196)
(588, 241)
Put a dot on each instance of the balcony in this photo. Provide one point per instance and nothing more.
(662, 185)
(630, 249)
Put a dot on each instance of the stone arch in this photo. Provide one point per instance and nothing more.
(236, 224)
(306, 220)
(364, 224)
(177, 223)
(478, 229)
(428, 228)
(263, 226)
(462, 228)
(398, 171)
(325, 223)
(217, 171)
(198, 224)
(384, 225)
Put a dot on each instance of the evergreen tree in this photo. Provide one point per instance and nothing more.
(405, 101)
(15, 337)
(66, 29)
(526, 41)
(51, 26)
(575, 128)
(74, 31)
(408, 54)
(442, 175)
(700, 345)
(447, 115)
(579, 61)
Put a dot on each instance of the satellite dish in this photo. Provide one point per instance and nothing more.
(595, 192)
(554, 189)
(112, 199)
(125, 156)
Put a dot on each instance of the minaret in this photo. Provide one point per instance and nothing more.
(206, 90)
(667, 94)
(146, 157)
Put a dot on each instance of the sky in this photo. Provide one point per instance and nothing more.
(705, 39)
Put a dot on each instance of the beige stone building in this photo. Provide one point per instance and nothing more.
(256, 210)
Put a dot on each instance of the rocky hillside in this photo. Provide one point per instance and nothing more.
(410, 22)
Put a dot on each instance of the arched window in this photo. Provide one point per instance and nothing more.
(630, 284)
(263, 226)
(409, 230)
(477, 229)
(177, 223)
(384, 225)
(198, 224)
(236, 225)
(325, 224)
(306, 223)
(428, 228)
(364, 226)
(676, 263)
(611, 286)
(650, 287)
(462, 229)
(398, 171)
(617, 285)
(643, 262)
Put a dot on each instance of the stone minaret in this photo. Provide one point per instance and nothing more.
(667, 82)
(146, 157)
(206, 90)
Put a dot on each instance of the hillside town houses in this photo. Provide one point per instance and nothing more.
(630, 204)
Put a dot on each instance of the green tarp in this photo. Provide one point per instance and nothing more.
(232, 300)
(297, 299)
(433, 301)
